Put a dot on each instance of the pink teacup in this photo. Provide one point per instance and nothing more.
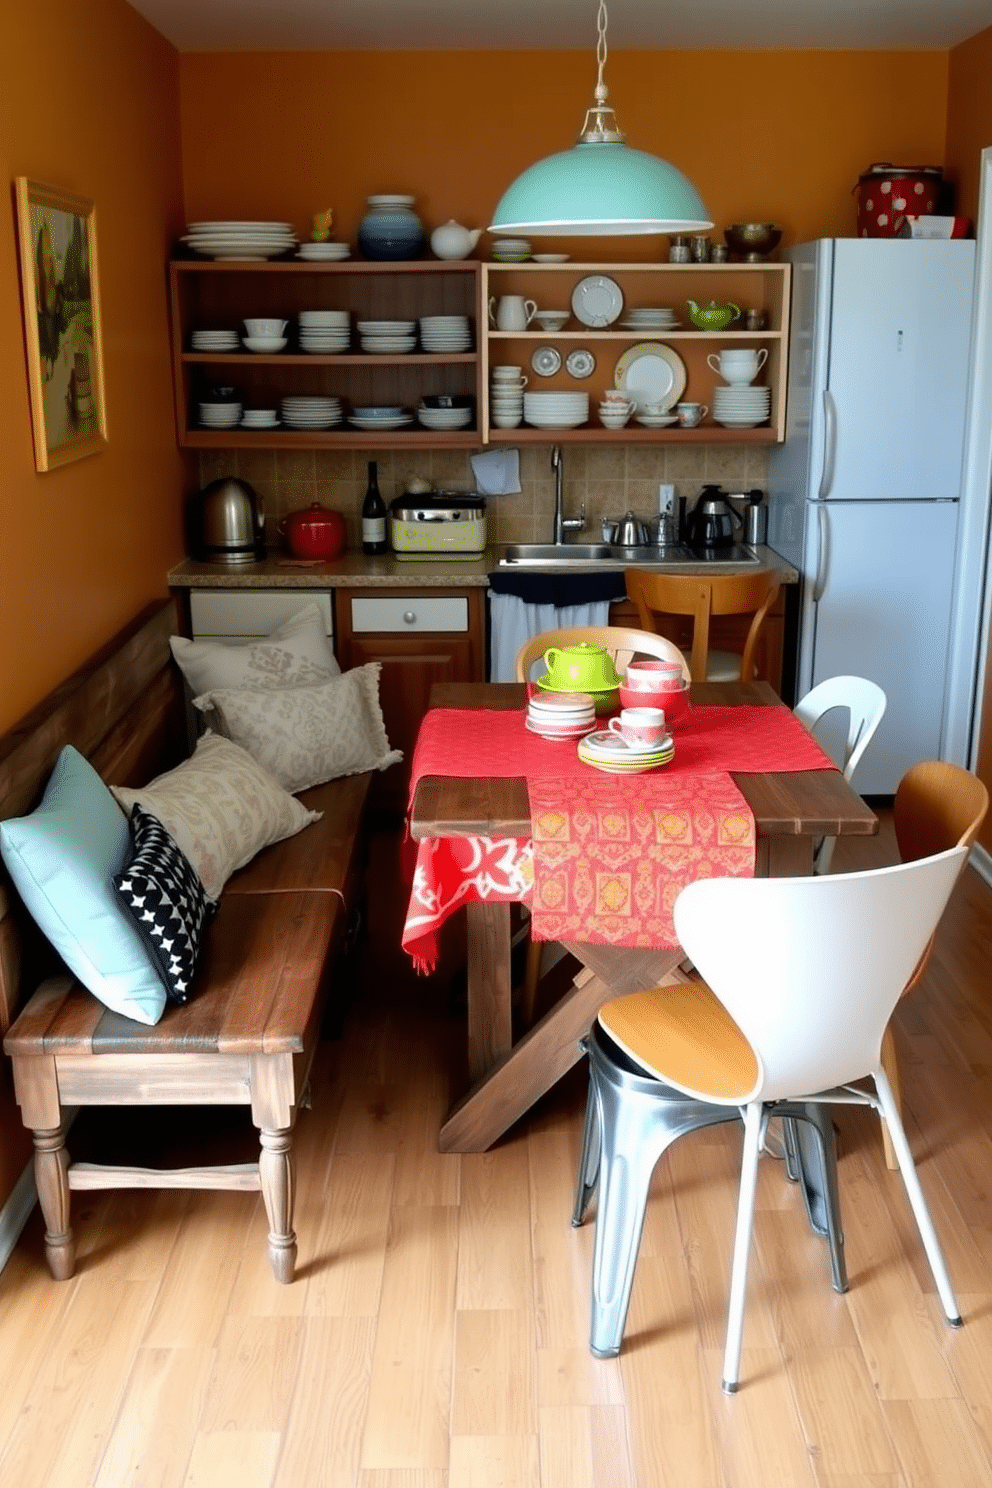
(654, 676)
(639, 728)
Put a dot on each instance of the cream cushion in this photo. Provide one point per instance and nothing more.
(305, 735)
(295, 654)
(220, 808)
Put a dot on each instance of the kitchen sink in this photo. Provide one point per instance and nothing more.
(605, 555)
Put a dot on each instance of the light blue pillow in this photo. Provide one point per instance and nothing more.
(62, 859)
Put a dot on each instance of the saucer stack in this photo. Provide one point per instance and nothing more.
(511, 250)
(329, 252)
(324, 331)
(444, 418)
(388, 337)
(741, 407)
(310, 413)
(240, 240)
(379, 417)
(646, 319)
(214, 341)
(561, 715)
(445, 333)
(220, 415)
(605, 750)
(556, 410)
(260, 418)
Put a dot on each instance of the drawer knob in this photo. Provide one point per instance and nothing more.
(409, 617)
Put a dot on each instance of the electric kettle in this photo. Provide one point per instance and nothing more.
(227, 523)
(711, 522)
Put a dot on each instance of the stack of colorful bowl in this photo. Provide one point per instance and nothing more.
(561, 715)
(656, 684)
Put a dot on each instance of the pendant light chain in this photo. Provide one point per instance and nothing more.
(600, 125)
(601, 18)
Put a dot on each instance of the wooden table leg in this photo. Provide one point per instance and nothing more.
(490, 1032)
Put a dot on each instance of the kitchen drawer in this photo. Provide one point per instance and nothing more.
(243, 614)
(391, 614)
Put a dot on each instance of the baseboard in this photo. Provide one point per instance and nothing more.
(15, 1213)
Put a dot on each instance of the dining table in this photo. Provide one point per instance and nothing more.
(792, 810)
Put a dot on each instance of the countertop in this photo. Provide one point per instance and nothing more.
(354, 570)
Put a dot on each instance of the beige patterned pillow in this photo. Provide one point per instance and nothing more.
(296, 654)
(306, 735)
(220, 808)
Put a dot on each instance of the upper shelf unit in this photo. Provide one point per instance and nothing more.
(212, 296)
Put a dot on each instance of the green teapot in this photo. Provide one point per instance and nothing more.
(712, 317)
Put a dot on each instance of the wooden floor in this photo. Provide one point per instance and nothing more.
(436, 1336)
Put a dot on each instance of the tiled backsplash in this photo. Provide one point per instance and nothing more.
(609, 480)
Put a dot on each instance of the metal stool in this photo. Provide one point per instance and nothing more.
(630, 1120)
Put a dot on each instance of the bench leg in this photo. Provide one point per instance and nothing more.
(51, 1171)
(275, 1171)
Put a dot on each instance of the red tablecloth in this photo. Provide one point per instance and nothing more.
(611, 853)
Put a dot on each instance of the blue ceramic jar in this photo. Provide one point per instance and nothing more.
(391, 229)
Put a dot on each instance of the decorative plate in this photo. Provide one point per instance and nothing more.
(652, 375)
(581, 363)
(597, 301)
(545, 361)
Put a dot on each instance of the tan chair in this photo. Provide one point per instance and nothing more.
(622, 643)
(937, 805)
(702, 596)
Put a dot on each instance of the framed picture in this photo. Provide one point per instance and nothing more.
(61, 303)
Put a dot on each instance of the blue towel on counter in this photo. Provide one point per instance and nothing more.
(522, 605)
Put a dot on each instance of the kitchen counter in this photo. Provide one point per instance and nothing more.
(354, 570)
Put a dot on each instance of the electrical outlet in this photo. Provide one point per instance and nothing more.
(666, 499)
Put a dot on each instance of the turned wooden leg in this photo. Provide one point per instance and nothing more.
(275, 1171)
(891, 1067)
(51, 1172)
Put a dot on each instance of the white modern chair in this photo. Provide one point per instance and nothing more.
(793, 1010)
(864, 702)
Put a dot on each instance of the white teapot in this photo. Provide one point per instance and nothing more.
(451, 240)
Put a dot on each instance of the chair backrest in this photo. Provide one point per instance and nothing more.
(811, 968)
(702, 596)
(622, 643)
(864, 702)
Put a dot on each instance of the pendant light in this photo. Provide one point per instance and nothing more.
(600, 188)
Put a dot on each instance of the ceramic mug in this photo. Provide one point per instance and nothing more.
(739, 366)
(639, 727)
(654, 676)
(691, 414)
(512, 312)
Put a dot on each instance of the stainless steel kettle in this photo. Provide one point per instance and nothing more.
(630, 532)
(228, 523)
(712, 520)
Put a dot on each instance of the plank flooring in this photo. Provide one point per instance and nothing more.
(436, 1336)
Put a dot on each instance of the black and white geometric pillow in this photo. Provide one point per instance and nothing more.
(162, 893)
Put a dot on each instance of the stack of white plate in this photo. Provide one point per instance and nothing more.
(220, 415)
(511, 250)
(380, 417)
(388, 337)
(310, 413)
(556, 410)
(323, 252)
(645, 318)
(445, 333)
(240, 240)
(214, 341)
(444, 418)
(323, 331)
(561, 715)
(260, 418)
(741, 407)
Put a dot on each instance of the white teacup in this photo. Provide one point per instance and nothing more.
(738, 366)
(639, 728)
(505, 373)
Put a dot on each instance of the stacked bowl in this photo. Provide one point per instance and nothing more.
(556, 410)
(445, 333)
(506, 397)
(265, 334)
(445, 412)
(511, 250)
(224, 414)
(260, 418)
(561, 715)
(324, 331)
(329, 252)
(310, 413)
(377, 418)
(388, 337)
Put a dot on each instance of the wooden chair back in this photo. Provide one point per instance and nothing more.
(621, 642)
(702, 596)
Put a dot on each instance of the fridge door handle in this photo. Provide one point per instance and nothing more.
(823, 554)
(829, 443)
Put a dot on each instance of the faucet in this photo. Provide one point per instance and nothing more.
(563, 524)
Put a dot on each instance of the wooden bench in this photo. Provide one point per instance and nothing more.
(249, 1034)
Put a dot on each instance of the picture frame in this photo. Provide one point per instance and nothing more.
(60, 300)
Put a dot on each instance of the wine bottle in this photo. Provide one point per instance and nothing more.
(373, 516)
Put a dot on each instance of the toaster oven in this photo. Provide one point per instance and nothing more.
(440, 524)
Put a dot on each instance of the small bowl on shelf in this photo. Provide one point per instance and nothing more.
(265, 343)
(552, 320)
(752, 241)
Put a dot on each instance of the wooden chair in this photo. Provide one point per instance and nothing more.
(702, 596)
(937, 805)
(621, 642)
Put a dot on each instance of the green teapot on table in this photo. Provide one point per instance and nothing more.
(712, 317)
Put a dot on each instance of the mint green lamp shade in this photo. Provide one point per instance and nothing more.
(600, 189)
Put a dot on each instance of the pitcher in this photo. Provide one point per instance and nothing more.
(511, 312)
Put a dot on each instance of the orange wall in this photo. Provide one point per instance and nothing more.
(779, 135)
(91, 103)
(969, 115)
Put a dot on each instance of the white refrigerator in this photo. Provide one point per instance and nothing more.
(864, 492)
